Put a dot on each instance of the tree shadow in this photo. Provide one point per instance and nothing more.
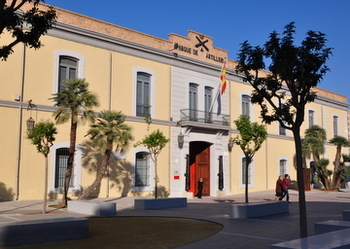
(6, 194)
(119, 170)
(162, 192)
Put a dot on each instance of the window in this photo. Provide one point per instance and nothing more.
(143, 94)
(67, 65)
(335, 126)
(246, 105)
(283, 167)
(193, 101)
(208, 95)
(244, 171)
(282, 130)
(67, 70)
(311, 118)
(142, 169)
(59, 152)
(60, 168)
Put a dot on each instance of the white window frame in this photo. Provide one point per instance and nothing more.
(287, 169)
(335, 129)
(251, 112)
(153, 77)
(252, 169)
(151, 171)
(77, 168)
(66, 53)
(313, 117)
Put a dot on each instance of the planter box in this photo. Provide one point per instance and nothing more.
(162, 203)
(253, 210)
(93, 208)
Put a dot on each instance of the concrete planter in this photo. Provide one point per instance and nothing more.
(162, 203)
(253, 210)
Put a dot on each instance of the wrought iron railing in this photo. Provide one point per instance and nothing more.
(204, 117)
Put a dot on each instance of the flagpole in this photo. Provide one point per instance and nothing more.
(218, 91)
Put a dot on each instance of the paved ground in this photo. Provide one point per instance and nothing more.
(245, 233)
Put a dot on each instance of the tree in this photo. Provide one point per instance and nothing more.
(282, 76)
(109, 130)
(338, 171)
(73, 100)
(250, 138)
(24, 27)
(155, 142)
(313, 145)
(43, 136)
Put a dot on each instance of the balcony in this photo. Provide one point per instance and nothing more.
(203, 119)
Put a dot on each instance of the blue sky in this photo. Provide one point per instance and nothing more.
(230, 22)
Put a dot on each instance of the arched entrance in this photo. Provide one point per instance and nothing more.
(199, 162)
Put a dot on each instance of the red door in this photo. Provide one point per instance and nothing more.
(203, 169)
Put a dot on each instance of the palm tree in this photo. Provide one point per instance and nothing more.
(313, 145)
(73, 100)
(339, 141)
(108, 131)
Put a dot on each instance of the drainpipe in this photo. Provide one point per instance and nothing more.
(20, 119)
(109, 106)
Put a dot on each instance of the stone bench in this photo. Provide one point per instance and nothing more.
(41, 231)
(330, 240)
(330, 225)
(93, 208)
(253, 210)
(346, 215)
(160, 203)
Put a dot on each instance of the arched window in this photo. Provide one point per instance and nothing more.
(59, 159)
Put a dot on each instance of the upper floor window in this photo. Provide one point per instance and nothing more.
(245, 105)
(282, 130)
(67, 65)
(208, 96)
(193, 101)
(335, 126)
(143, 104)
(311, 118)
(68, 69)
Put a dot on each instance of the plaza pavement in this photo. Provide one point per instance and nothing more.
(243, 233)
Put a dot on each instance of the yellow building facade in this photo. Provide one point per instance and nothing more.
(175, 81)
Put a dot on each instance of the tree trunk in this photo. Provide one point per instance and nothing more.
(337, 168)
(300, 180)
(45, 184)
(156, 178)
(247, 162)
(73, 135)
(101, 173)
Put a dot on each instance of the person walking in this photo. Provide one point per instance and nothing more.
(200, 184)
(285, 184)
(279, 188)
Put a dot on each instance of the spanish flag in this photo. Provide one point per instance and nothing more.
(223, 79)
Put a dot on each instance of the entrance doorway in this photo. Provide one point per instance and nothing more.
(199, 162)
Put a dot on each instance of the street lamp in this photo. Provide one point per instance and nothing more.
(30, 124)
(230, 144)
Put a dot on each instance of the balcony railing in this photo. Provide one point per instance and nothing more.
(204, 117)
